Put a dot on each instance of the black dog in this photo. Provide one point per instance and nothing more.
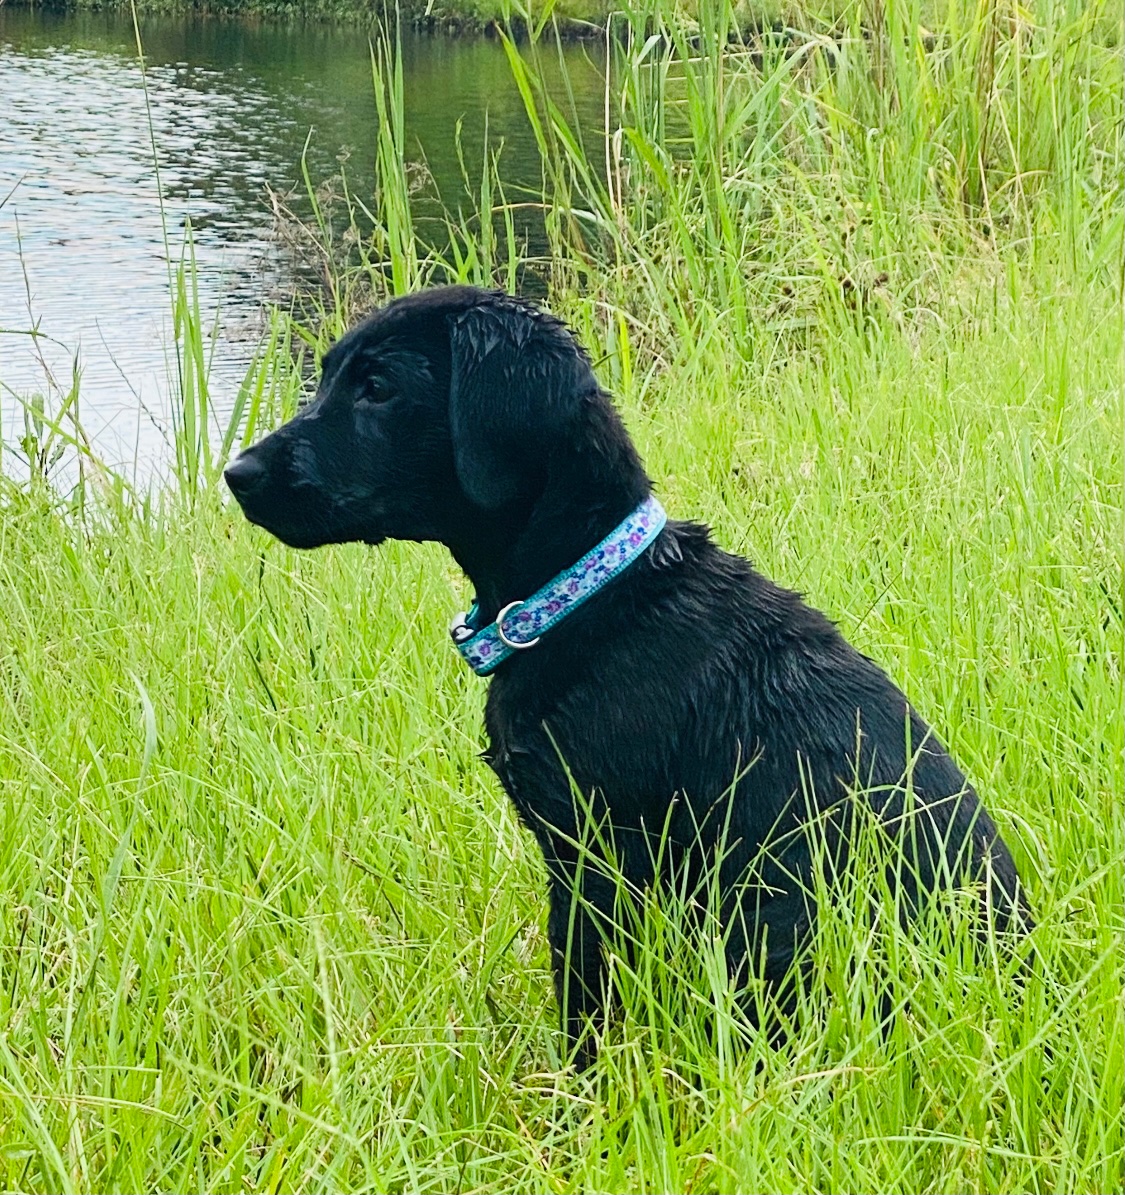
(690, 699)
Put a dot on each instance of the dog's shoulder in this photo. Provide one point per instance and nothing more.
(727, 597)
(689, 618)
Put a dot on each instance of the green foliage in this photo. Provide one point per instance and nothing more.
(880, 175)
(266, 920)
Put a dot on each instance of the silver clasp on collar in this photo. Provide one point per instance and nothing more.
(512, 643)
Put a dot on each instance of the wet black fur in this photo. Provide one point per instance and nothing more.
(692, 697)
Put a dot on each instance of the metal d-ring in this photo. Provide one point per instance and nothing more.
(500, 629)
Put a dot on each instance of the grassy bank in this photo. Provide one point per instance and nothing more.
(266, 920)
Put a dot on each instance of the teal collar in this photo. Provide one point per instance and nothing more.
(520, 624)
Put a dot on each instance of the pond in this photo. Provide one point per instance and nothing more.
(230, 109)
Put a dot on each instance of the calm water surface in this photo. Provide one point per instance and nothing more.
(82, 250)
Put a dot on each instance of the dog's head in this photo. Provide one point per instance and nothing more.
(442, 407)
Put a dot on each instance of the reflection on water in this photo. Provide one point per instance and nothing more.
(231, 105)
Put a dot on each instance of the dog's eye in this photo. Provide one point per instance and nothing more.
(374, 393)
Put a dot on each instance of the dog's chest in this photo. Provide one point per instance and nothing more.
(534, 756)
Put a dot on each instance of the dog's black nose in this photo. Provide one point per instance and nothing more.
(244, 475)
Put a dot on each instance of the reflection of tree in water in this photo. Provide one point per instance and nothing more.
(269, 88)
(233, 106)
(234, 102)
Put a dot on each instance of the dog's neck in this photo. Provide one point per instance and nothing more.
(586, 493)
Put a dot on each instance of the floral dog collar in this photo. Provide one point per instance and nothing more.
(519, 624)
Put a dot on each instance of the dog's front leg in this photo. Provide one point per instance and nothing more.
(580, 917)
(583, 889)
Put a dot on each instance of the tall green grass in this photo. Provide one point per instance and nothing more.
(266, 920)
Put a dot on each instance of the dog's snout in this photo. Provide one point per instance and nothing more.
(244, 475)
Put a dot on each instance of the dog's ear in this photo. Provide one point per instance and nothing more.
(518, 382)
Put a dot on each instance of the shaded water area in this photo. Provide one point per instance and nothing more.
(232, 106)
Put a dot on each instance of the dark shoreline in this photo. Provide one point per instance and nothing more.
(451, 21)
(571, 20)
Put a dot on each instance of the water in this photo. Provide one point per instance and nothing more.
(233, 105)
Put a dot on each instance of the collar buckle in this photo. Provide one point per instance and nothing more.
(514, 644)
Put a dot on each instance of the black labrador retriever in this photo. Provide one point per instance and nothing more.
(686, 699)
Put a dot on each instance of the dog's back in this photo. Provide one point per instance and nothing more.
(710, 707)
